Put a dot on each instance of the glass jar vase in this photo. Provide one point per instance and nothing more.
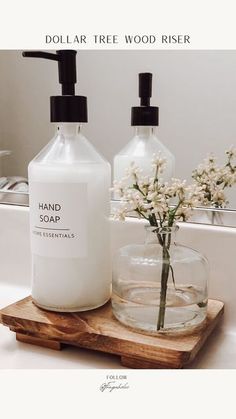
(160, 285)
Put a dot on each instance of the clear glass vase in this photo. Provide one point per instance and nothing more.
(160, 285)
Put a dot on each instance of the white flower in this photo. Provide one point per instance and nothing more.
(231, 153)
(176, 188)
(121, 213)
(119, 187)
(158, 163)
(219, 197)
(214, 179)
(133, 172)
(184, 213)
(152, 199)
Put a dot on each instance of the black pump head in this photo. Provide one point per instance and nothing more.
(68, 107)
(145, 88)
(145, 114)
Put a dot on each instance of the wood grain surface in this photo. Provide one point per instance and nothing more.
(99, 330)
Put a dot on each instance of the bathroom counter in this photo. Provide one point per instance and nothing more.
(217, 243)
(218, 353)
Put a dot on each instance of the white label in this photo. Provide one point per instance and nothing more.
(58, 219)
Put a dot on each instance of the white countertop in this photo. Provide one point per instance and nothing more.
(218, 353)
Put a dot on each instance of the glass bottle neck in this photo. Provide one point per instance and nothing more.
(69, 129)
(164, 236)
(145, 131)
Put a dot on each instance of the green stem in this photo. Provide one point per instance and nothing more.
(166, 266)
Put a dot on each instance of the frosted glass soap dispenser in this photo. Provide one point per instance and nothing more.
(69, 206)
(144, 144)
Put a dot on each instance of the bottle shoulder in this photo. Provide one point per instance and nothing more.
(67, 150)
(144, 146)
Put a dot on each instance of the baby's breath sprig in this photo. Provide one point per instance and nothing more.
(160, 203)
(215, 178)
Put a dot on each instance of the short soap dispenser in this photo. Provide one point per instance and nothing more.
(144, 144)
(69, 206)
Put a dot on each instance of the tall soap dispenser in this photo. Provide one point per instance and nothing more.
(69, 206)
(144, 144)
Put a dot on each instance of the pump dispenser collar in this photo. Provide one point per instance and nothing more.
(145, 115)
(68, 107)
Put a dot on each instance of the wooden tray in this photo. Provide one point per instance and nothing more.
(99, 330)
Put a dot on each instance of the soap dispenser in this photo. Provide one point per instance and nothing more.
(144, 144)
(69, 185)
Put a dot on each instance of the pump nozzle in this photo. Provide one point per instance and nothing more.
(68, 107)
(144, 114)
(66, 67)
(145, 88)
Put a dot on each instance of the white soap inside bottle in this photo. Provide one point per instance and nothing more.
(62, 282)
(69, 205)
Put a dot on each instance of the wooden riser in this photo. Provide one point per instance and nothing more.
(100, 331)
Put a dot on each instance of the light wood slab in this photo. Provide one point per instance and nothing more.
(100, 331)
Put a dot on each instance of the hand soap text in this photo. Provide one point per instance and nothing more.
(45, 218)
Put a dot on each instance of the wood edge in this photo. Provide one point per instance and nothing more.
(142, 363)
(209, 329)
(176, 358)
(16, 324)
(46, 343)
(181, 358)
(216, 300)
(102, 344)
(2, 310)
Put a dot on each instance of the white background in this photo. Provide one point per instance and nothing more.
(211, 23)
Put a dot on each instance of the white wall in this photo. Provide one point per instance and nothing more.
(195, 90)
